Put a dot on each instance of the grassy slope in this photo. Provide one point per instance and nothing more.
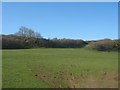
(59, 68)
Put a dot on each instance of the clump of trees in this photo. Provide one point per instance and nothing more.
(27, 33)
(27, 38)
(24, 38)
(104, 45)
(12, 42)
(68, 43)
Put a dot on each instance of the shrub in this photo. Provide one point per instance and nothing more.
(102, 45)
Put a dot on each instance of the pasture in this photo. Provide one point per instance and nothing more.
(59, 68)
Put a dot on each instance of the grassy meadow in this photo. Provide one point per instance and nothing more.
(63, 68)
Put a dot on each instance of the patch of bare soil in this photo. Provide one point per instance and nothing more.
(54, 80)
(65, 79)
(102, 80)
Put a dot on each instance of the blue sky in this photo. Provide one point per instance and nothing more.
(87, 21)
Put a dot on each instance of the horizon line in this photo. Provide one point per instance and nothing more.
(72, 38)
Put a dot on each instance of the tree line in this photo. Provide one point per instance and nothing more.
(26, 38)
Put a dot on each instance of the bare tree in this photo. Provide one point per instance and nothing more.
(26, 32)
(38, 35)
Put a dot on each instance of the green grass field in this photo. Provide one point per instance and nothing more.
(63, 68)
